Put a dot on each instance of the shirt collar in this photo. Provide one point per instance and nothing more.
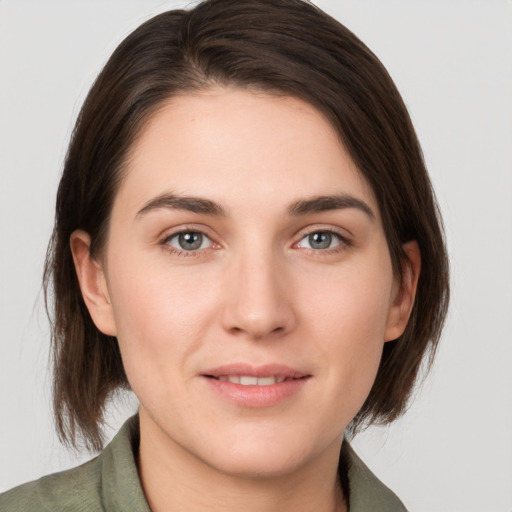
(122, 490)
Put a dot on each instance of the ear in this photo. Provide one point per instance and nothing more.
(93, 283)
(404, 293)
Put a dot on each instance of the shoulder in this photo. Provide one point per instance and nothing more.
(367, 492)
(108, 482)
(77, 490)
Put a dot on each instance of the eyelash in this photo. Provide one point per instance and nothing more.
(344, 243)
(182, 252)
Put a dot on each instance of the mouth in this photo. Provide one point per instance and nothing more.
(248, 386)
(250, 380)
(256, 386)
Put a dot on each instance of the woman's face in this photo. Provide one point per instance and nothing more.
(247, 277)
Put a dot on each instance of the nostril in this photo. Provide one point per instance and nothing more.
(257, 317)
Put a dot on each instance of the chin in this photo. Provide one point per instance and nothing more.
(262, 456)
(262, 465)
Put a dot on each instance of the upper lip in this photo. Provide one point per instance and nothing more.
(267, 370)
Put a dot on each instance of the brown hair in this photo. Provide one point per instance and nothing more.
(285, 47)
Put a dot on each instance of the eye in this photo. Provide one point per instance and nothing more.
(320, 240)
(189, 241)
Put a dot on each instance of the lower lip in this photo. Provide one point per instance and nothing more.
(256, 396)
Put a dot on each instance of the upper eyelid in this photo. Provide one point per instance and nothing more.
(176, 233)
(171, 232)
(339, 235)
(343, 233)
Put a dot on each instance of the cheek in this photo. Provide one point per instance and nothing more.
(351, 304)
(352, 342)
(348, 319)
(161, 313)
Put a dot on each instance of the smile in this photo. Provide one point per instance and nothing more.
(249, 380)
(249, 386)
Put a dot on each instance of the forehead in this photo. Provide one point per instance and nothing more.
(230, 144)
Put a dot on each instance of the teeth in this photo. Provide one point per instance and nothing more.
(266, 381)
(246, 380)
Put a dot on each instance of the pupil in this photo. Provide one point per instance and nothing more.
(190, 241)
(320, 240)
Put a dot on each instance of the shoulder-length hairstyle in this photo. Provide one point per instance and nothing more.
(283, 47)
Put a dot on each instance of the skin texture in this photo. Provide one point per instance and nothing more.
(256, 292)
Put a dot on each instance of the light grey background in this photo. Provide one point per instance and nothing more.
(452, 61)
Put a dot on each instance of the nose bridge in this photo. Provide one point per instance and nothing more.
(258, 303)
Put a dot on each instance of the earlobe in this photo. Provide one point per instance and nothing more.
(403, 300)
(93, 284)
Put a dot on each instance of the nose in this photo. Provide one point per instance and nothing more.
(258, 300)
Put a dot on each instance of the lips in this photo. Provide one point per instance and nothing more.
(255, 386)
(245, 374)
(248, 380)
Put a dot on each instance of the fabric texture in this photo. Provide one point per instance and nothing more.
(110, 483)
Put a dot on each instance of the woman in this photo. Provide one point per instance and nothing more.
(247, 238)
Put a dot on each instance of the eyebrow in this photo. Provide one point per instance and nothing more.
(302, 207)
(326, 203)
(187, 203)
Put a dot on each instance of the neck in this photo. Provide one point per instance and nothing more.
(175, 479)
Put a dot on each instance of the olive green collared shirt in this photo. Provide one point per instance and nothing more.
(110, 483)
